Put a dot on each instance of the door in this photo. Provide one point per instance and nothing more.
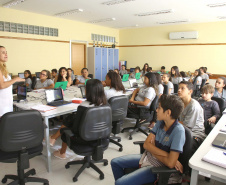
(116, 58)
(104, 63)
(110, 59)
(78, 57)
(97, 63)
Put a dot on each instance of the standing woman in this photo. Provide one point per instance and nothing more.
(6, 96)
(28, 79)
(175, 75)
(64, 76)
(145, 69)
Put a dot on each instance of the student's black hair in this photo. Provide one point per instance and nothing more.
(199, 74)
(158, 78)
(95, 92)
(29, 74)
(224, 80)
(203, 68)
(177, 72)
(137, 68)
(182, 73)
(54, 70)
(116, 81)
(69, 69)
(84, 69)
(47, 73)
(149, 69)
(116, 70)
(173, 103)
(163, 67)
(59, 77)
(144, 67)
(152, 81)
(189, 85)
(124, 66)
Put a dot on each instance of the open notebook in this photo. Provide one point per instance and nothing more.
(216, 157)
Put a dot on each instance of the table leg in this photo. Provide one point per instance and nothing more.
(48, 153)
(194, 177)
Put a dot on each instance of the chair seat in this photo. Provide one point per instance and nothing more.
(12, 157)
(87, 150)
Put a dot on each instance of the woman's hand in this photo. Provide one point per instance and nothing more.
(18, 79)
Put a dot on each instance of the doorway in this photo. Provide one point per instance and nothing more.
(78, 56)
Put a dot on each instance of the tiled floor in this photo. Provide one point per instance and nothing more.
(61, 176)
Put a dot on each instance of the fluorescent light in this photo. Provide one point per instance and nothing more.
(13, 3)
(221, 17)
(69, 12)
(172, 22)
(133, 26)
(102, 20)
(155, 13)
(216, 5)
(114, 2)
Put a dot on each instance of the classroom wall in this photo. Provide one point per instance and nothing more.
(38, 55)
(187, 57)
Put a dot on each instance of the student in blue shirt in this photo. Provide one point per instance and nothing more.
(162, 147)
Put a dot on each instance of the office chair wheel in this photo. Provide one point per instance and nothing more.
(105, 163)
(74, 179)
(130, 138)
(4, 180)
(120, 149)
(67, 166)
(33, 172)
(119, 140)
(122, 131)
(101, 177)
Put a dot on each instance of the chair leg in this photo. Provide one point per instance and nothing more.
(12, 177)
(116, 143)
(92, 165)
(36, 179)
(30, 172)
(125, 129)
(131, 133)
(105, 161)
(141, 130)
(16, 182)
(75, 162)
(84, 166)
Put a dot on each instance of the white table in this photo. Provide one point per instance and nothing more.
(196, 163)
(39, 98)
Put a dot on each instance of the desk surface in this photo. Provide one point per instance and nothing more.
(196, 160)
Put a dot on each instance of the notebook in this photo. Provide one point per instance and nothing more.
(133, 83)
(21, 93)
(43, 108)
(54, 97)
(216, 157)
(83, 91)
(220, 141)
(125, 77)
(62, 85)
(137, 76)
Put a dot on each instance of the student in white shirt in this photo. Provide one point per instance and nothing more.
(160, 86)
(133, 74)
(6, 96)
(70, 73)
(54, 75)
(81, 79)
(145, 69)
(165, 80)
(203, 74)
(115, 83)
(64, 76)
(196, 79)
(175, 75)
(123, 70)
(145, 95)
(28, 79)
(44, 82)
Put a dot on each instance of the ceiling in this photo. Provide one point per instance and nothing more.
(195, 11)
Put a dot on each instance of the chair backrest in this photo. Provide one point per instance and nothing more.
(175, 86)
(34, 80)
(21, 130)
(166, 89)
(220, 102)
(203, 83)
(96, 123)
(154, 104)
(119, 106)
(90, 75)
(186, 155)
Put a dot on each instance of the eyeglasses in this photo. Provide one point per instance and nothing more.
(43, 74)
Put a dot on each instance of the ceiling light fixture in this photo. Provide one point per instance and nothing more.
(134, 26)
(216, 5)
(102, 20)
(114, 2)
(13, 3)
(68, 12)
(173, 22)
(155, 13)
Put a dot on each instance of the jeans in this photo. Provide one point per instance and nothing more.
(140, 176)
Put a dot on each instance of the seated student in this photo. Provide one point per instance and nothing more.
(162, 147)
(196, 79)
(81, 79)
(203, 74)
(70, 73)
(208, 73)
(210, 107)
(150, 69)
(175, 75)
(184, 76)
(28, 79)
(192, 115)
(163, 70)
(133, 74)
(54, 75)
(94, 97)
(160, 86)
(123, 70)
(165, 80)
(145, 95)
(220, 88)
(64, 76)
(115, 83)
(145, 69)
(44, 81)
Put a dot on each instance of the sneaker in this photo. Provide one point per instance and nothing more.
(51, 141)
(58, 155)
